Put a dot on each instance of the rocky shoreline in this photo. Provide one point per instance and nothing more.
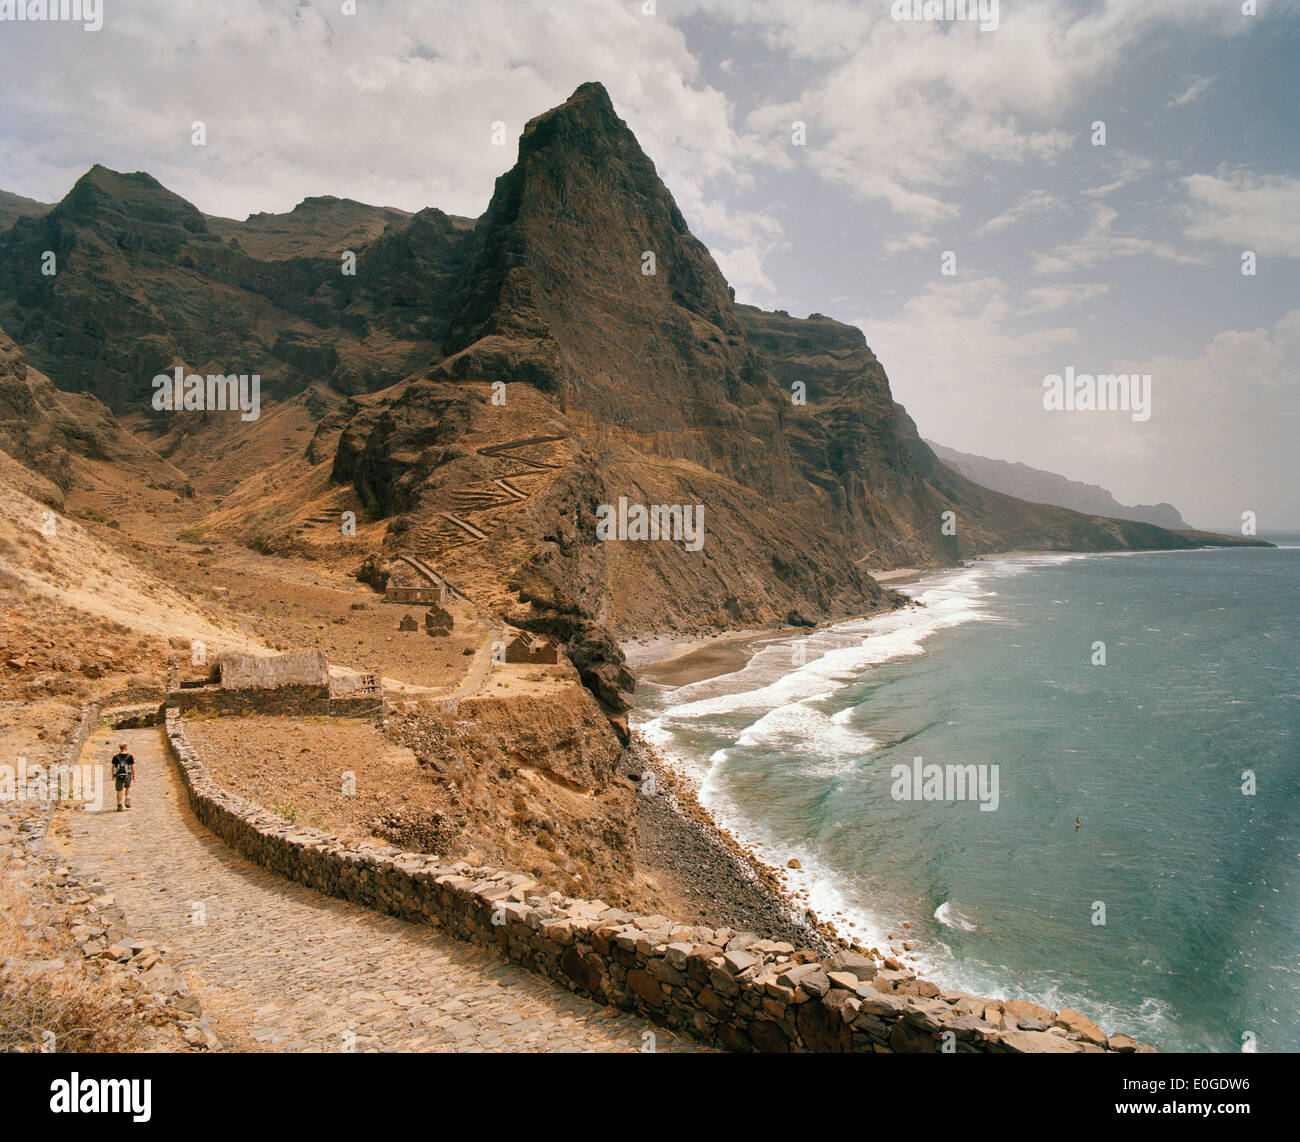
(715, 880)
(736, 892)
(727, 884)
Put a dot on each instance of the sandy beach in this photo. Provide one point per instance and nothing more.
(901, 575)
(671, 660)
(697, 866)
(694, 660)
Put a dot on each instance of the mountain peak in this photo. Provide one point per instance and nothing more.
(592, 91)
(589, 101)
(102, 192)
(586, 120)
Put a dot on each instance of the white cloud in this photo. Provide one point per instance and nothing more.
(1127, 168)
(1035, 202)
(906, 113)
(1248, 211)
(909, 240)
(1197, 88)
(1102, 242)
(1044, 299)
(392, 106)
(953, 359)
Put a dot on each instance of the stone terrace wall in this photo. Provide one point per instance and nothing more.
(730, 989)
(283, 701)
(133, 717)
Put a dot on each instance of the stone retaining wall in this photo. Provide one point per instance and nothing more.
(132, 717)
(730, 989)
(282, 701)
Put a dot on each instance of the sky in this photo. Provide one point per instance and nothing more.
(952, 194)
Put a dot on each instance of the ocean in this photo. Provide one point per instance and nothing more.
(1141, 863)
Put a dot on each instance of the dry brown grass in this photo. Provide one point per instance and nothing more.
(84, 1014)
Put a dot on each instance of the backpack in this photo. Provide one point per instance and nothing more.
(121, 766)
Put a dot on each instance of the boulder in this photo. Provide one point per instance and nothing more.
(1037, 1042)
(1022, 1007)
(861, 966)
(887, 1005)
(816, 983)
(909, 1040)
(792, 976)
(738, 962)
(1086, 1029)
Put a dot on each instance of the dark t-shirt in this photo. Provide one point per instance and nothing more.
(123, 765)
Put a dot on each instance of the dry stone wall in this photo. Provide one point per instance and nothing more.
(729, 988)
(132, 717)
(282, 701)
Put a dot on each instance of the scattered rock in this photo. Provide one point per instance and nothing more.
(1023, 1008)
(1081, 1025)
(1037, 1042)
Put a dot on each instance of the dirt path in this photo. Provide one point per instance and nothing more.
(292, 970)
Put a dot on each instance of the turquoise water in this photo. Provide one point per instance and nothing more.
(1201, 940)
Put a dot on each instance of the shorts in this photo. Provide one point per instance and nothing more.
(123, 782)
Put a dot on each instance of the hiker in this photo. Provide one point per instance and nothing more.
(123, 775)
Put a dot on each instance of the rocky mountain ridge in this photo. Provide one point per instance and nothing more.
(15, 206)
(487, 387)
(1039, 486)
(66, 439)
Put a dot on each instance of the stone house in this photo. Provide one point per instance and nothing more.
(532, 648)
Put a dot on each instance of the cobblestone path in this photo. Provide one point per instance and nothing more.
(282, 966)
